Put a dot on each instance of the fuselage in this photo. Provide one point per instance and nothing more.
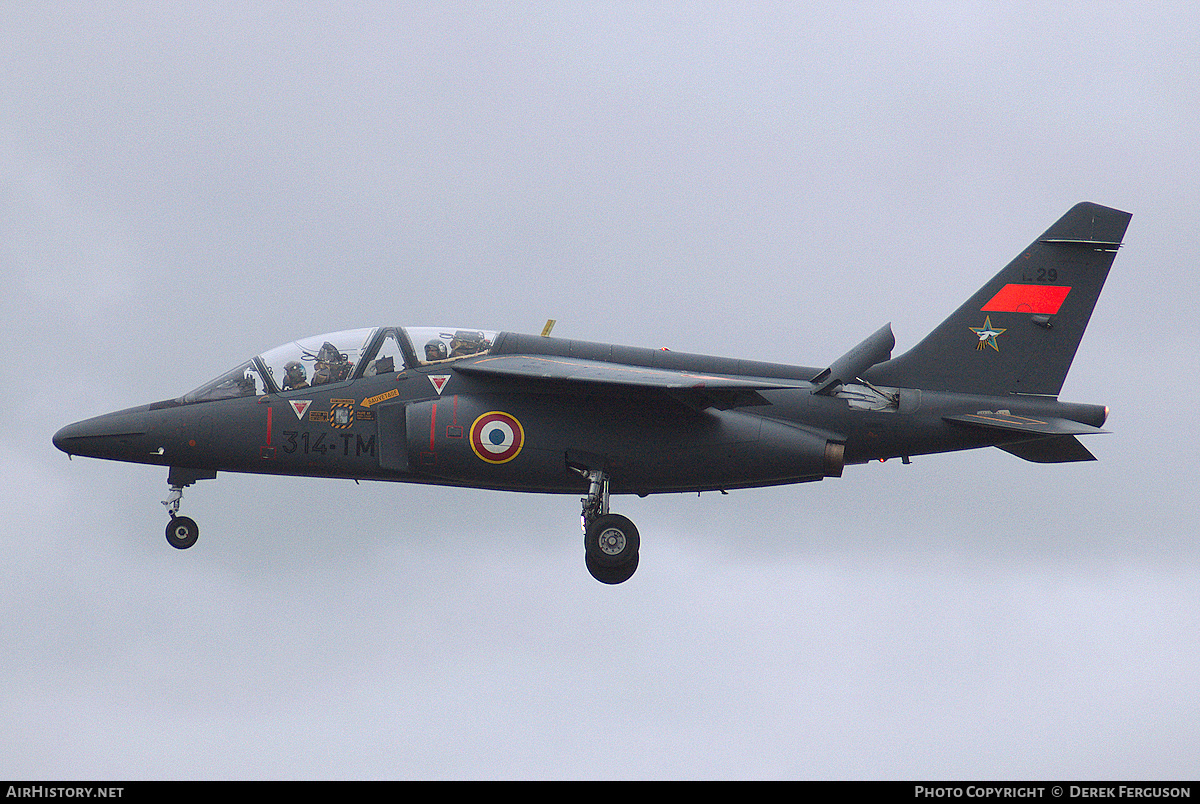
(435, 421)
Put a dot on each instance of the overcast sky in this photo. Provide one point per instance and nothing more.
(183, 185)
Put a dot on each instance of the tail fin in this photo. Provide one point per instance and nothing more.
(1020, 331)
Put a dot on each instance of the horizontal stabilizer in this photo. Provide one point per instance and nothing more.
(850, 366)
(1061, 449)
(1003, 420)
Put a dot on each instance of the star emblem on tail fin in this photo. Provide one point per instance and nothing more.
(987, 334)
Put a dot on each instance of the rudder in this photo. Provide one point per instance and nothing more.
(1020, 331)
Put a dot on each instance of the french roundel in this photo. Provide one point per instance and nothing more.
(497, 437)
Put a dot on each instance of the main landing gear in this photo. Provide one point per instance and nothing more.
(610, 541)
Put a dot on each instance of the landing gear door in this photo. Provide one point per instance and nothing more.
(390, 421)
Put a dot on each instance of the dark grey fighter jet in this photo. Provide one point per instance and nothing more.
(499, 410)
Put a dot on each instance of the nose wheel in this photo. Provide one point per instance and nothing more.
(182, 531)
(610, 541)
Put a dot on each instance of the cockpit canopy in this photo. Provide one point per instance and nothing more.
(339, 357)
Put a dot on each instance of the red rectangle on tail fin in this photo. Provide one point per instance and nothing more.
(1041, 299)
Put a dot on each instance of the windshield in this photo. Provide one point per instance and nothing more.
(241, 381)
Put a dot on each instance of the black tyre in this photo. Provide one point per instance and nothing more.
(611, 541)
(182, 532)
(612, 575)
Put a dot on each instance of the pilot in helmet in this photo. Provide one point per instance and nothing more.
(332, 365)
(295, 376)
(468, 342)
(435, 350)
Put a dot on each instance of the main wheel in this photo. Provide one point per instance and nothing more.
(611, 575)
(611, 541)
(182, 532)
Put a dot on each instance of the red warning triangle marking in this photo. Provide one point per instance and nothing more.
(299, 406)
(439, 381)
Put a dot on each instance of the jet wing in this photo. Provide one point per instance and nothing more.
(695, 389)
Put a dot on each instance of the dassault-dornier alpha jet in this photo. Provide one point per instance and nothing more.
(500, 410)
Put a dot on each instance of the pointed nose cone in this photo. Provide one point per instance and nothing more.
(117, 436)
(64, 437)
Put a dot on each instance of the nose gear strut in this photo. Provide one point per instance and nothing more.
(182, 531)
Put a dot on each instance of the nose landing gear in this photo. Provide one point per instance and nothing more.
(182, 531)
(610, 541)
